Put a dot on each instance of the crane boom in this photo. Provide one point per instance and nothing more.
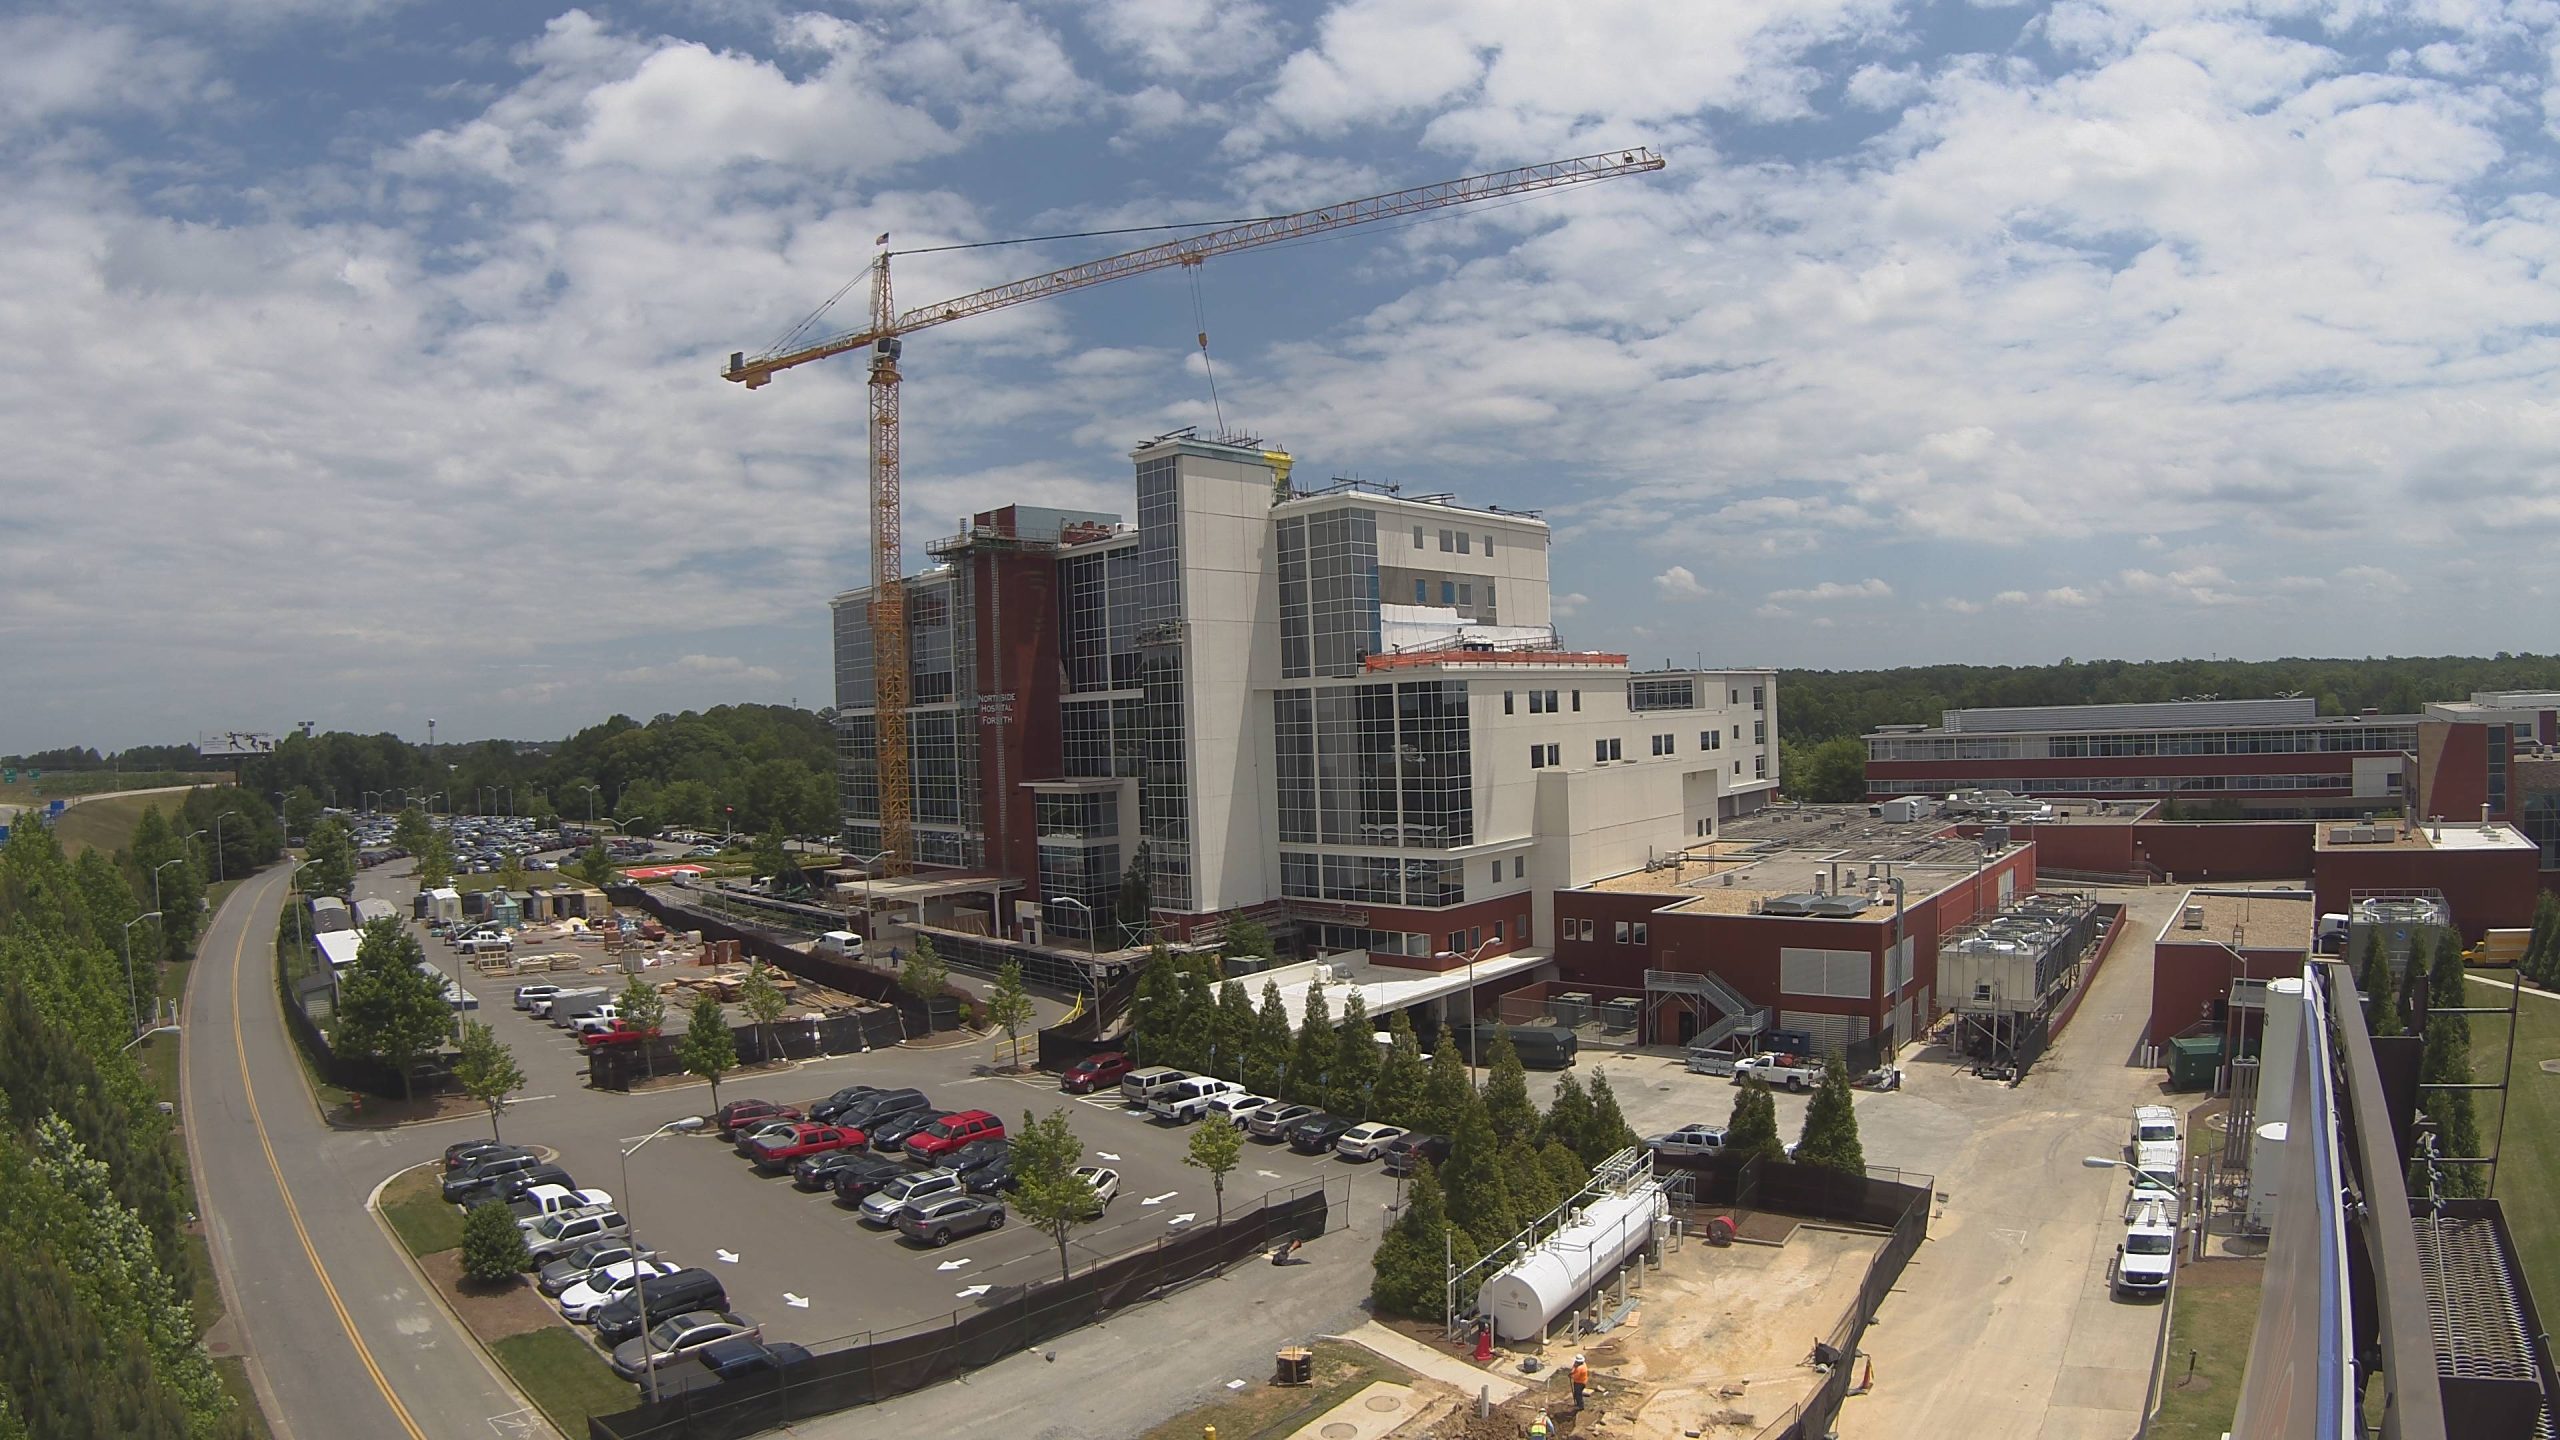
(758, 370)
(888, 596)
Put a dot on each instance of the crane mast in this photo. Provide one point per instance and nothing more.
(889, 661)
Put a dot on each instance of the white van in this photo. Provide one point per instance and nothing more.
(842, 944)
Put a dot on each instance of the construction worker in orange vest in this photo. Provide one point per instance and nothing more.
(1581, 1381)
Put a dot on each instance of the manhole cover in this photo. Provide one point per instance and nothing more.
(217, 1347)
(2551, 1067)
(1384, 1403)
(1339, 1430)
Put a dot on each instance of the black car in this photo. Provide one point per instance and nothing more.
(1405, 1151)
(891, 1133)
(818, 1172)
(1316, 1134)
(668, 1295)
(472, 1152)
(977, 1155)
(874, 1110)
(467, 1183)
(512, 1188)
(993, 1178)
(854, 1183)
(736, 1360)
(830, 1110)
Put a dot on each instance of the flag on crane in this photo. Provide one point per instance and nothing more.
(883, 240)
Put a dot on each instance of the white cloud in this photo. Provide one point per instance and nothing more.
(2010, 597)
(2068, 597)
(1832, 590)
(1677, 583)
(723, 668)
(52, 67)
(1569, 604)
(1961, 606)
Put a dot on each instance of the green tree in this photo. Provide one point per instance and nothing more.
(409, 830)
(772, 857)
(1216, 1148)
(643, 1008)
(1830, 1137)
(1231, 1032)
(1568, 1112)
(596, 866)
(1608, 1132)
(331, 853)
(1047, 1192)
(1266, 1052)
(1009, 1008)
(487, 1069)
(1533, 1191)
(2445, 1059)
(1351, 1084)
(493, 1248)
(166, 878)
(1401, 1076)
(1831, 772)
(301, 811)
(924, 976)
(1506, 1088)
(1445, 1088)
(2541, 962)
(2381, 997)
(1305, 1081)
(1195, 1016)
(707, 1049)
(1753, 1128)
(1151, 1018)
(1477, 1192)
(1409, 1275)
(435, 861)
(764, 1003)
(511, 873)
(2445, 987)
(1565, 1170)
(389, 1007)
(1247, 936)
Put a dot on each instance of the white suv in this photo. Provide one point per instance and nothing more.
(2149, 1251)
(881, 1206)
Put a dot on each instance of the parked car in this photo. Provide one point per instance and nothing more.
(775, 1150)
(2149, 1250)
(1106, 1186)
(556, 1277)
(741, 1112)
(748, 1135)
(1188, 1100)
(693, 1288)
(854, 1184)
(881, 1207)
(977, 1155)
(951, 1132)
(1688, 1140)
(1239, 1106)
(871, 1111)
(892, 1133)
(526, 995)
(602, 1286)
(740, 1356)
(615, 1032)
(512, 1188)
(1406, 1152)
(1367, 1141)
(677, 1339)
(1094, 1072)
(1272, 1122)
(937, 1222)
(561, 1233)
(472, 1152)
(1315, 1134)
(831, 1110)
(1139, 1088)
(818, 1172)
(544, 1200)
(1780, 1072)
(993, 1178)
(461, 1185)
(595, 1022)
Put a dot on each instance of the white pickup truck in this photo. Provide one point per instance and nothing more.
(2149, 1250)
(1781, 1072)
(1188, 1100)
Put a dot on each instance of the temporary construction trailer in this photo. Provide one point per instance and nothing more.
(1525, 1299)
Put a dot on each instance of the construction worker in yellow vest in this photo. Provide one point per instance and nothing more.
(1540, 1428)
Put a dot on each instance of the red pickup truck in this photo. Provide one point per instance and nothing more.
(776, 1152)
(620, 1032)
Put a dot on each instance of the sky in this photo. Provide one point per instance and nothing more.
(364, 362)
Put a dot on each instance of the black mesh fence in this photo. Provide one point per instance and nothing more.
(431, 1075)
(879, 1366)
(617, 1067)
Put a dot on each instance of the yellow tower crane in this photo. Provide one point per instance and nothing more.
(883, 336)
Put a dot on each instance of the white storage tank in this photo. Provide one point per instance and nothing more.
(1526, 1298)
(2265, 1163)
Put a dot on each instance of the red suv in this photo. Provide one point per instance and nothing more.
(621, 1032)
(747, 1114)
(953, 1131)
(776, 1152)
(1094, 1072)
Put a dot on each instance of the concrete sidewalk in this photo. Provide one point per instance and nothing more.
(1421, 1359)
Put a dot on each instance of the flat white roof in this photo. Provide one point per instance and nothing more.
(1383, 987)
(340, 947)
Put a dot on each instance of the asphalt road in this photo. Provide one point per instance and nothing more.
(341, 1339)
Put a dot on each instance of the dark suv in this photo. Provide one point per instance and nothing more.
(1404, 1150)
(1315, 1134)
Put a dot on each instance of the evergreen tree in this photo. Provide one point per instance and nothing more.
(1533, 1190)
(924, 976)
(1152, 1023)
(2382, 1007)
(487, 1069)
(1830, 1137)
(2445, 987)
(1351, 1085)
(764, 1003)
(389, 1008)
(771, 857)
(1753, 1128)
(435, 861)
(493, 1248)
(645, 1009)
(1609, 1131)
(1409, 1275)
(1445, 1091)
(1266, 1055)
(1506, 1088)
(596, 866)
(1565, 1171)
(167, 879)
(2446, 1060)
(1477, 1193)
(331, 853)
(1398, 1098)
(1569, 1113)
(708, 1048)
(64, 1376)
(1314, 1053)
(2541, 963)
(1246, 936)
(1195, 1014)
(1009, 1008)
(1232, 1033)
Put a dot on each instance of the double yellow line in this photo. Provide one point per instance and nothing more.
(293, 1212)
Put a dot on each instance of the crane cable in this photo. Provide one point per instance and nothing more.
(1200, 316)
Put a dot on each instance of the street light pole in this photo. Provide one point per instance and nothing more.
(132, 992)
(590, 787)
(1092, 931)
(1470, 957)
(218, 864)
(640, 1286)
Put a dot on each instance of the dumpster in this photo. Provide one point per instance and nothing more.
(2192, 1061)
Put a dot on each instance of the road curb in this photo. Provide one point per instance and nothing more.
(498, 1372)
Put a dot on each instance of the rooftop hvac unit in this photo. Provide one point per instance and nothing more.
(2192, 918)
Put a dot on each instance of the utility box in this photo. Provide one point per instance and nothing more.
(2192, 1061)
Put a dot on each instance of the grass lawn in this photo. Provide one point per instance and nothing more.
(2217, 1311)
(61, 784)
(564, 1375)
(1268, 1412)
(415, 1206)
(107, 822)
(2531, 1145)
(234, 1371)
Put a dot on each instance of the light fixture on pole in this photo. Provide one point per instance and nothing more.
(867, 862)
(132, 992)
(1470, 957)
(640, 1287)
(591, 788)
(1092, 929)
(155, 879)
(147, 1034)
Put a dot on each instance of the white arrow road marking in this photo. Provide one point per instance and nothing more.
(727, 1257)
(794, 1301)
(1159, 1199)
(951, 1264)
(1107, 1155)
(971, 1291)
(1268, 1174)
(1185, 1218)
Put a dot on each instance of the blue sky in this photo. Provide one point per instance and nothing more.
(365, 355)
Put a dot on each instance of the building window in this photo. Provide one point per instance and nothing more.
(1553, 757)
(1759, 697)
(1760, 767)
(1519, 866)
(1497, 932)
(1488, 549)
(1588, 930)
(1421, 592)
(1457, 941)
(1577, 702)
(1759, 732)
(1537, 757)
(1447, 541)
(1448, 592)
(1462, 542)
(1497, 872)
(1734, 697)
(1618, 932)
(1604, 751)
(1475, 937)
(1737, 732)
(1737, 767)
(1417, 537)
(1466, 593)
(1666, 744)
(1640, 932)
(1506, 702)
(1710, 740)
(1552, 707)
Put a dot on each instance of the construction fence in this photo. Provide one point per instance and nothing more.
(776, 949)
(616, 1067)
(872, 1367)
(1895, 1201)
(302, 996)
